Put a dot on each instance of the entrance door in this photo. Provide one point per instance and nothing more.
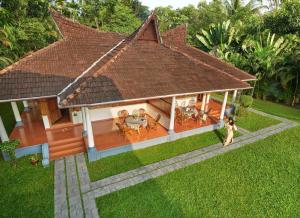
(54, 112)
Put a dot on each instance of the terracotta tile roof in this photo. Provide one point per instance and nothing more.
(176, 38)
(92, 67)
(146, 68)
(47, 71)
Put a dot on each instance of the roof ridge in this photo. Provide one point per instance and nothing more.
(201, 62)
(30, 54)
(129, 40)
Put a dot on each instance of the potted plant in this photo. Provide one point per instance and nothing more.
(34, 159)
(9, 148)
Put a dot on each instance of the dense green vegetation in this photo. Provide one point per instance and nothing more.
(26, 191)
(7, 115)
(131, 160)
(253, 122)
(258, 180)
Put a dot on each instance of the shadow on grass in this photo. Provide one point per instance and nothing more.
(219, 134)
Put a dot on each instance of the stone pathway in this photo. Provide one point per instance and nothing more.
(75, 194)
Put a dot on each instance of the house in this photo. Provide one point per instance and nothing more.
(78, 90)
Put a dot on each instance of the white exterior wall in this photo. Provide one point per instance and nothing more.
(112, 112)
(76, 117)
(164, 120)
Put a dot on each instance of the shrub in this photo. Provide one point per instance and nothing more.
(246, 101)
(9, 148)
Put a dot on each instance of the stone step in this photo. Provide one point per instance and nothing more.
(65, 153)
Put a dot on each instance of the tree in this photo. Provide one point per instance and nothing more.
(264, 53)
(284, 20)
(217, 40)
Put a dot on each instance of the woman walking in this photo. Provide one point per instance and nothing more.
(230, 126)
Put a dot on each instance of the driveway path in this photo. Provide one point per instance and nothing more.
(75, 194)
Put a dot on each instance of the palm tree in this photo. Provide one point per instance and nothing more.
(218, 38)
(264, 54)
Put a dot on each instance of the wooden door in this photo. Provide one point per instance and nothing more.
(54, 112)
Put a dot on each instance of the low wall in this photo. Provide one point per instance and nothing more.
(94, 154)
(30, 150)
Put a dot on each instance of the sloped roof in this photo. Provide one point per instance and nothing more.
(89, 67)
(176, 38)
(47, 71)
(146, 68)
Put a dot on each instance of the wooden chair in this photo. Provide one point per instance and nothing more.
(153, 124)
(123, 128)
(180, 117)
(142, 112)
(122, 115)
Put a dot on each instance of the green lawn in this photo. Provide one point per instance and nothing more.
(253, 122)
(26, 191)
(131, 160)
(258, 180)
(269, 107)
(277, 109)
(7, 115)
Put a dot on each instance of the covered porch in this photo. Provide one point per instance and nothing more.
(98, 129)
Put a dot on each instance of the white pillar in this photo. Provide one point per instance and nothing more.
(3, 133)
(203, 102)
(46, 121)
(16, 113)
(90, 134)
(172, 117)
(223, 106)
(207, 98)
(84, 121)
(25, 103)
(234, 97)
(207, 102)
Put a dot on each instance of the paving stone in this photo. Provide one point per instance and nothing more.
(83, 174)
(75, 206)
(90, 207)
(60, 194)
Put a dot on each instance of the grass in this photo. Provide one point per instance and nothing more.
(269, 107)
(131, 160)
(258, 180)
(7, 115)
(253, 122)
(26, 191)
(277, 109)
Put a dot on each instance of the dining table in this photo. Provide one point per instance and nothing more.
(135, 122)
(189, 111)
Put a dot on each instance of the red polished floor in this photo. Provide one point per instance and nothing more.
(106, 133)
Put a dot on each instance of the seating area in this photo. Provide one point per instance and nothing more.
(136, 121)
(190, 116)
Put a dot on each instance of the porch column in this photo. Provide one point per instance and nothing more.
(234, 96)
(223, 106)
(3, 133)
(26, 108)
(203, 103)
(207, 102)
(172, 117)
(83, 121)
(16, 113)
(90, 135)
